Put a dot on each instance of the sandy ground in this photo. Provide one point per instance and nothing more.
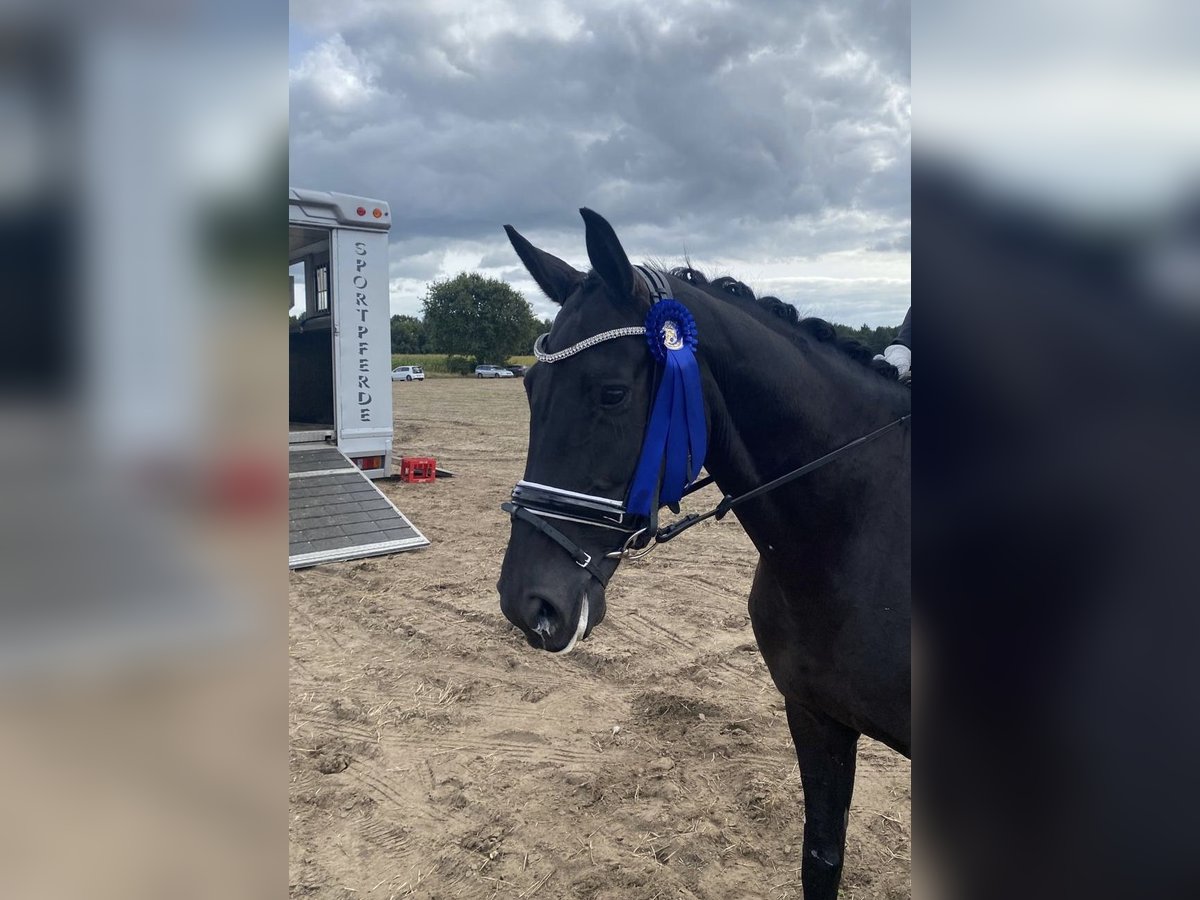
(434, 754)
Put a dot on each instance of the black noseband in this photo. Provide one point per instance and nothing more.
(534, 504)
(571, 506)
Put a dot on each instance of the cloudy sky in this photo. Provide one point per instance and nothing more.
(768, 140)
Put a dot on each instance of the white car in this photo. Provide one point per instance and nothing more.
(493, 372)
(408, 373)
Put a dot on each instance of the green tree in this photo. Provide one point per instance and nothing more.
(482, 318)
(408, 335)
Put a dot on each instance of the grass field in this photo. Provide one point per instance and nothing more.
(435, 363)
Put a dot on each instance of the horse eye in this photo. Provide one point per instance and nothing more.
(612, 394)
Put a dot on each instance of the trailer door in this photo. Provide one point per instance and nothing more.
(362, 345)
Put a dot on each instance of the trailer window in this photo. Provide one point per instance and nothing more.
(296, 271)
(322, 288)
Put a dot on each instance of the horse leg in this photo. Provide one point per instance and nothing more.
(826, 752)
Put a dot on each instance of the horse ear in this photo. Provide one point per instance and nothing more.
(607, 255)
(557, 279)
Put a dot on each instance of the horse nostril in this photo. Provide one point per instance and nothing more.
(543, 622)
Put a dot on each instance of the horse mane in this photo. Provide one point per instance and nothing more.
(817, 329)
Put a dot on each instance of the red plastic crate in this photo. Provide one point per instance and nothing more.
(418, 469)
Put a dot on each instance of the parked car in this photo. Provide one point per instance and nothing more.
(489, 371)
(408, 373)
(519, 371)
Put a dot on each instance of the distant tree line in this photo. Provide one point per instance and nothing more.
(876, 338)
(487, 321)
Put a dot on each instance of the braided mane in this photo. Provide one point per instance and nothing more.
(817, 329)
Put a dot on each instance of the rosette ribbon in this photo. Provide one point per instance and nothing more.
(676, 437)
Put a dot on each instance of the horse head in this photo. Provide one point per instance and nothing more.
(587, 415)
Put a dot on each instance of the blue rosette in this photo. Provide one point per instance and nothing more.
(669, 328)
(676, 438)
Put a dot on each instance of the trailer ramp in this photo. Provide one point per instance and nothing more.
(335, 512)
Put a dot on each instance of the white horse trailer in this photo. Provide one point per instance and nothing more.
(339, 387)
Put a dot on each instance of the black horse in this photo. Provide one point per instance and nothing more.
(830, 604)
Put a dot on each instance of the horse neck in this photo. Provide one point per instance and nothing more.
(776, 402)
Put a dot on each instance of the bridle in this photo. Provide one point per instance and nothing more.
(535, 503)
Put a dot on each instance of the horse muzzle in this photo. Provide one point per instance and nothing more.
(551, 624)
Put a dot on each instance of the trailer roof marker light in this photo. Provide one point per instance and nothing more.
(362, 210)
(378, 213)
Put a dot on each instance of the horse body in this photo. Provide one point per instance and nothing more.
(831, 593)
(830, 604)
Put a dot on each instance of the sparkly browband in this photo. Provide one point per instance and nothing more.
(558, 356)
(656, 284)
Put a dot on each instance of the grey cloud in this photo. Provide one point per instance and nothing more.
(497, 259)
(755, 130)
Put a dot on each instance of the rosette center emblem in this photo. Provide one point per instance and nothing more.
(672, 339)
